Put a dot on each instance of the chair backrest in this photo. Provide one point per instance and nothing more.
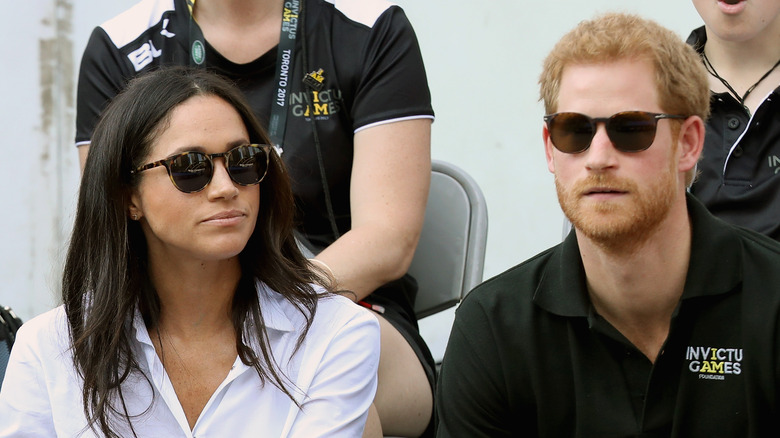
(450, 256)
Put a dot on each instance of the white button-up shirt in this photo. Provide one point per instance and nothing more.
(332, 375)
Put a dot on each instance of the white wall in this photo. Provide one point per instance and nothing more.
(483, 61)
(42, 45)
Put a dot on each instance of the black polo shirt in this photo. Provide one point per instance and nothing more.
(740, 166)
(528, 355)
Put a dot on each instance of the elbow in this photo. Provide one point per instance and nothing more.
(405, 249)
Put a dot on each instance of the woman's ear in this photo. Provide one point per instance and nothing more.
(133, 210)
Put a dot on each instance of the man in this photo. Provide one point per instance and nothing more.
(652, 318)
(740, 168)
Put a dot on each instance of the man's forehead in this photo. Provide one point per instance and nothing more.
(621, 85)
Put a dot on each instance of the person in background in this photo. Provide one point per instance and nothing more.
(341, 87)
(188, 308)
(9, 325)
(739, 177)
(653, 317)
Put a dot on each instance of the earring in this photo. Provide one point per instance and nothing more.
(135, 217)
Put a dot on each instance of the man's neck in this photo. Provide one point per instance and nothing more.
(237, 12)
(637, 290)
(240, 30)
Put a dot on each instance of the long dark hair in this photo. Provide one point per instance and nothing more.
(105, 275)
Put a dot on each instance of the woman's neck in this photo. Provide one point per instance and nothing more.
(195, 295)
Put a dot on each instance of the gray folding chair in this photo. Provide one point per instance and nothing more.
(450, 256)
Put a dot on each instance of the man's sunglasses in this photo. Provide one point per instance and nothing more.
(191, 172)
(629, 131)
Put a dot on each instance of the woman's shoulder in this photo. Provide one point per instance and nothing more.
(332, 305)
(47, 331)
(333, 311)
(53, 319)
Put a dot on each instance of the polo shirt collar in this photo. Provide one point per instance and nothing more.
(562, 289)
(715, 266)
(697, 39)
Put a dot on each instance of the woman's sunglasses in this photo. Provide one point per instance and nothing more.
(629, 131)
(191, 172)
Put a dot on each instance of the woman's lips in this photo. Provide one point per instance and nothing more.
(731, 6)
(226, 217)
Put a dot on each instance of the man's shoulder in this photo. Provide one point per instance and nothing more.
(759, 252)
(516, 284)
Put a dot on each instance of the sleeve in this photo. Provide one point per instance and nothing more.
(394, 83)
(471, 399)
(25, 407)
(102, 76)
(344, 383)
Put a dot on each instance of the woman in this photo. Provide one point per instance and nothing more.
(188, 308)
(342, 88)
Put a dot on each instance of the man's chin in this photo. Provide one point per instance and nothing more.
(601, 228)
(609, 227)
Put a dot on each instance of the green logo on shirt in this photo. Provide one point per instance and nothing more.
(198, 52)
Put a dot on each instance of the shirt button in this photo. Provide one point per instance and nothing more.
(737, 152)
(733, 123)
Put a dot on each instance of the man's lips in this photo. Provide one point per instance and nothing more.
(603, 191)
(731, 2)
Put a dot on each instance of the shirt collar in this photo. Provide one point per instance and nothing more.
(715, 266)
(697, 39)
(276, 309)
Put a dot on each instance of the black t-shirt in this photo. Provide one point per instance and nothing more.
(372, 67)
(740, 165)
(529, 357)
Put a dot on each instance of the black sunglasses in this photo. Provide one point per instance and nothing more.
(191, 172)
(629, 131)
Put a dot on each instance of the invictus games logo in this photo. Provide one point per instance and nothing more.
(714, 363)
(290, 18)
(198, 52)
(324, 104)
(774, 163)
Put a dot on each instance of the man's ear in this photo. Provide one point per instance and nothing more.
(690, 142)
(548, 149)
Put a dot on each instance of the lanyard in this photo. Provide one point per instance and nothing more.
(284, 65)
